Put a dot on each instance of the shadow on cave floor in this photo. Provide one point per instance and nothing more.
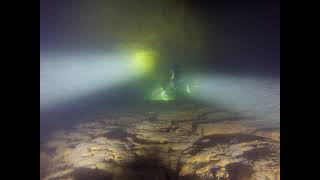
(140, 169)
(92, 174)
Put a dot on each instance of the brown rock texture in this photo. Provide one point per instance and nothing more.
(198, 144)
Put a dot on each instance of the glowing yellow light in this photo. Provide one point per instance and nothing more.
(143, 60)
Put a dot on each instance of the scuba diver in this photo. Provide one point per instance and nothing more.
(176, 87)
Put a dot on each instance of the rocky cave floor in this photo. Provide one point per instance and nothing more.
(194, 143)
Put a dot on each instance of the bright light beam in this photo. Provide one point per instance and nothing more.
(67, 77)
(252, 96)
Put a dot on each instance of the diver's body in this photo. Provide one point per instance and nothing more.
(176, 86)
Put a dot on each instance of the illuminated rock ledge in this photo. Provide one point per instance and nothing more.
(182, 145)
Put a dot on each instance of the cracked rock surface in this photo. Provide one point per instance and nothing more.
(197, 143)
